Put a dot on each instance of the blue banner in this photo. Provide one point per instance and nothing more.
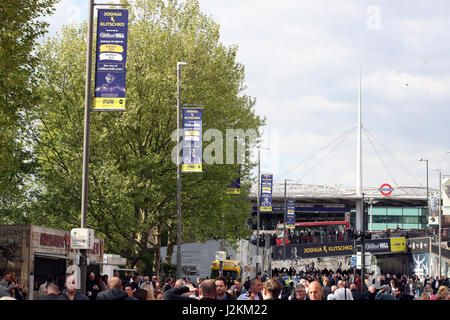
(235, 187)
(192, 139)
(111, 58)
(290, 215)
(266, 192)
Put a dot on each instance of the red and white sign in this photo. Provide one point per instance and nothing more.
(386, 189)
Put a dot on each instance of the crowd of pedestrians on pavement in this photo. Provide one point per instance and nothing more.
(346, 285)
(285, 284)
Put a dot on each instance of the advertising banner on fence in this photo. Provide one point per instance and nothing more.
(419, 245)
(383, 245)
(290, 215)
(111, 58)
(192, 139)
(446, 197)
(313, 250)
(266, 192)
(398, 244)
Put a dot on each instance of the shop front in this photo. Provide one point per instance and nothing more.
(35, 253)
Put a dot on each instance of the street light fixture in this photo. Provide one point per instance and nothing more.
(179, 64)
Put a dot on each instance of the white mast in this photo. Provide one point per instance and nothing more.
(359, 213)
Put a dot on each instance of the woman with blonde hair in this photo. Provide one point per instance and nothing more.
(150, 291)
(442, 293)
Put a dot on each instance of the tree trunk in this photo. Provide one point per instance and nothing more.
(157, 254)
(171, 240)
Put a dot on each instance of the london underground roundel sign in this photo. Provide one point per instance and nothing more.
(386, 189)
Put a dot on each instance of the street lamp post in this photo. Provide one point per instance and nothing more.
(371, 202)
(363, 246)
(285, 217)
(439, 220)
(87, 110)
(179, 64)
(426, 161)
(258, 195)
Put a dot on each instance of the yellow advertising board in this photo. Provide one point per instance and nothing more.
(398, 244)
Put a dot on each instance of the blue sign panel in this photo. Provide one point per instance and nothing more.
(111, 58)
(235, 187)
(290, 215)
(266, 192)
(192, 140)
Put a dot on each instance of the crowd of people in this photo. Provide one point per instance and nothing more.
(348, 285)
(285, 284)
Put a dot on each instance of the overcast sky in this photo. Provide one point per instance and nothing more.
(302, 62)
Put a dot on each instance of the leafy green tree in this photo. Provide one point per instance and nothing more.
(132, 178)
(20, 29)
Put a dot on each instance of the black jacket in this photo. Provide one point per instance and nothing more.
(367, 296)
(114, 294)
(51, 296)
(227, 297)
(78, 296)
(176, 294)
(356, 295)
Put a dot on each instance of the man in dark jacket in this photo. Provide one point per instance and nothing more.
(114, 291)
(207, 290)
(326, 289)
(247, 283)
(71, 292)
(221, 290)
(92, 287)
(52, 292)
(370, 294)
(356, 294)
(271, 290)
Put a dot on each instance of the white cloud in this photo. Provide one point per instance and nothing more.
(67, 12)
(403, 85)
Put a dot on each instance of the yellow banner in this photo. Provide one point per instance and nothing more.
(267, 209)
(109, 103)
(191, 168)
(398, 244)
(192, 133)
(234, 191)
(111, 48)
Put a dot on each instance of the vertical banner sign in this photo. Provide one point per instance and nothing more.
(434, 214)
(290, 217)
(111, 57)
(446, 197)
(235, 187)
(266, 192)
(192, 140)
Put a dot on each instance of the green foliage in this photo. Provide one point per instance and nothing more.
(132, 178)
(19, 32)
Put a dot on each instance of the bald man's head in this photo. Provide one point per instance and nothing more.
(315, 291)
(71, 284)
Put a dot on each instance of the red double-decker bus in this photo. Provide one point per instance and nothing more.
(314, 232)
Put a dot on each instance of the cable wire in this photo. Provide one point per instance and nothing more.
(379, 156)
(314, 154)
(401, 165)
(326, 155)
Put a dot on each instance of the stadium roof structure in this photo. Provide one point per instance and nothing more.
(401, 195)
